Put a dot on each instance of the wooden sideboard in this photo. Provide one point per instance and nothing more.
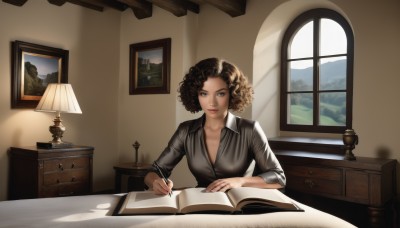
(366, 181)
(38, 173)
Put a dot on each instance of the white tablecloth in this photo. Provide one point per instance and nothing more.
(97, 210)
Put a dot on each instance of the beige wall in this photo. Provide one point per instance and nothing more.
(151, 119)
(112, 119)
(92, 39)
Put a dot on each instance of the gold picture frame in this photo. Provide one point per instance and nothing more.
(33, 67)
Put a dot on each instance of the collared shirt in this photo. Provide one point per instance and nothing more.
(242, 141)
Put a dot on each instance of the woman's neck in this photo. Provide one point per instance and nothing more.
(215, 124)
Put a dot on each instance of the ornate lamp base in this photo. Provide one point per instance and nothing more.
(57, 131)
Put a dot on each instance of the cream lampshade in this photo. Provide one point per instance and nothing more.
(58, 98)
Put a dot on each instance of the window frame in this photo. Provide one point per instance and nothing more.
(316, 15)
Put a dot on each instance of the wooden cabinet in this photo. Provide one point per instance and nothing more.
(39, 173)
(136, 173)
(366, 181)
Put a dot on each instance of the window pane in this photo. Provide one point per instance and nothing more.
(302, 43)
(333, 38)
(332, 109)
(300, 75)
(300, 108)
(333, 73)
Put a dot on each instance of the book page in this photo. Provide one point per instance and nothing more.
(149, 203)
(247, 195)
(197, 199)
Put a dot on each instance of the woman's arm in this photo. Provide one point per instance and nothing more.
(267, 164)
(221, 185)
(167, 160)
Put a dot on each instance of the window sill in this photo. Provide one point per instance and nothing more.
(305, 146)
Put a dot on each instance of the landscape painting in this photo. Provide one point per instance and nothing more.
(39, 70)
(34, 66)
(150, 67)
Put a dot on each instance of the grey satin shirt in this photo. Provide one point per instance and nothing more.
(242, 141)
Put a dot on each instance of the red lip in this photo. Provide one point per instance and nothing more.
(213, 110)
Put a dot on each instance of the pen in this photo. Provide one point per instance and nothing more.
(162, 175)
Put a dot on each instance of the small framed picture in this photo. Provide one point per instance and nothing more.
(149, 67)
(33, 67)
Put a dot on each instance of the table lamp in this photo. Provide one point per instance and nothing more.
(58, 98)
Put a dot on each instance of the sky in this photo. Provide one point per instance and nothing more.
(44, 64)
(333, 41)
(154, 55)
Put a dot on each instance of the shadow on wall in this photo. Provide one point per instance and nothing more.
(383, 152)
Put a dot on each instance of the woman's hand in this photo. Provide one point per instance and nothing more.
(221, 185)
(157, 184)
(162, 188)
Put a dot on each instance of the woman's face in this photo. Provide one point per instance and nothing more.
(214, 98)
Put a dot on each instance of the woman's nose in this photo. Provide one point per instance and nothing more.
(213, 101)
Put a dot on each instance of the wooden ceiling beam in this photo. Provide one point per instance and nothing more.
(90, 4)
(141, 8)
(144, 8)
(16, 2)
(191, 6)
(57, 2)
(175, 7)
(98, 5)
(118, 5)
(232, 7)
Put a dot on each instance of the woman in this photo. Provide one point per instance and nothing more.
(219, 146)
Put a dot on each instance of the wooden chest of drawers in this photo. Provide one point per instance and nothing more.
(38, 173)
(366, 181)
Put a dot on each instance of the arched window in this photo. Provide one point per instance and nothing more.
(317, 73)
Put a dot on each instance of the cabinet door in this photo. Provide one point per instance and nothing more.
(357, 187)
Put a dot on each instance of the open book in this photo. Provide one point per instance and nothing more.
(197, 200)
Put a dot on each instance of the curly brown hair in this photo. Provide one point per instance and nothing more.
(240, 90)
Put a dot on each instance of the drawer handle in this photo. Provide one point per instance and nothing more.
(61, 167)
(73, 179)
(310, 172)
(73, 165)
(309, 183)
(58, 181)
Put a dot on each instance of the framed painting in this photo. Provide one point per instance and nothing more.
(33, 68)
(149, 67)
